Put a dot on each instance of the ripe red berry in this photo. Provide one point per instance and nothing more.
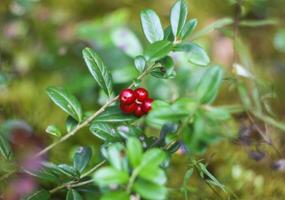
(141, 94)
(146, 106)
(127, 96)
(138, 111)
(128, 108)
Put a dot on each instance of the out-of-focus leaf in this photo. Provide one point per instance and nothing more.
(154, 175)
(153, 158)
(113, 114)
(178, 16)
(150, 190)
(188, 28)
(5, 148)
(99, 70)
(196, 54)
(157, 50)
(209, 85)
(279, 40)
(39, 195)
(220, 23)
(53, 130)
(103, 131)
(246, 102)
(216, 113)
(81, 158)
(140, 63)
(108, 176)
(127, 41)
(66, 102)
(135, 151)
(151, 26)
(118, 195)
(73, 195)
(257, 23)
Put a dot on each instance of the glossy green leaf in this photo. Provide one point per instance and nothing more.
(113, 114)
(108, 176)
(188, 28)
(67, 170)
(168, 35)
(81, 158)
(103, 131)
(5, 148)
(53, 130)
(116, 195)
(66, 102)
(73, 195)
(39, 195)
(140, 63)
(150, 190)
(178, 16)
(151, 26)
(115, 155)
(99, 70)
(196, 54)
(134, 151)
(209, 85)
(158, 50)
(70, 124)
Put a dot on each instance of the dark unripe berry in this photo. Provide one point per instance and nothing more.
(146, 106)
(141, 94)
(138, 111)
(127, 96)
(128, 108)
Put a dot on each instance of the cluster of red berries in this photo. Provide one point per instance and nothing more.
(135, 101)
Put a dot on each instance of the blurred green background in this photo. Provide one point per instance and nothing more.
(41, 43)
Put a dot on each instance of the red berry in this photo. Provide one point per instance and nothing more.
(146, 106)
(128, 108)
(127, 96)
(138, 111)
(141, 94)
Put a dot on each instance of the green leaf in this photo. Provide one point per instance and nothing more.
(153, 157)
(168, 35)
(154, 175)
(98, 70)
(140, 63)
(73, 195)
(66, 102)
(257, 23)
(151, 26)
(67, 170)
(188, 28)
(220, 23)
(103, 131)
(212, 177)
(150, 190)
(113, 114)
(209, 85)
(178, 16)
(196, 54)
(216, 113)
(158, 50)
(81, 158)
(39, 195)
(70, 124)
(5, 148)
(108, 176)
(115, 155)
(135, 151)
(117, 195)
(166, 70)
(279, 40)
(53, 130)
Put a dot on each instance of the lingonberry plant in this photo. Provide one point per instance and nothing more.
(134, 164)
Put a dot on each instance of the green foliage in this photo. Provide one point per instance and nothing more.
(5, 148)
(73, 195)
(98, 70)
(66, 102)
(53, 130)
